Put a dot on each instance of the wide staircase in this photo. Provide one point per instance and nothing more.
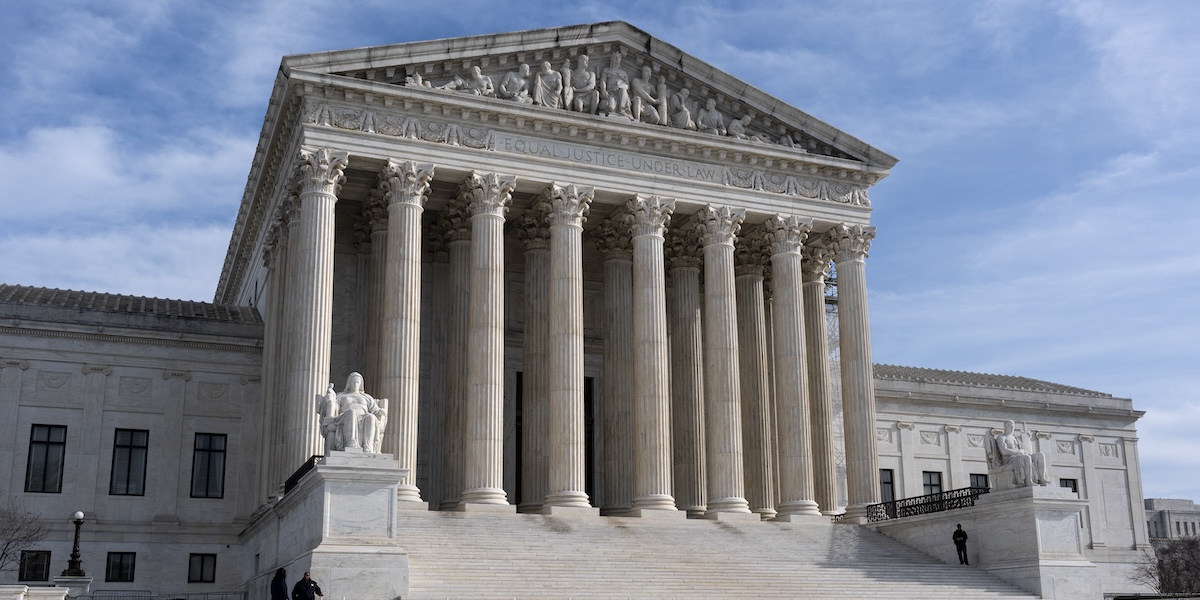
(473, 555)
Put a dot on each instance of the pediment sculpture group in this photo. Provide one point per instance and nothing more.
(611, 92)
(352, 420)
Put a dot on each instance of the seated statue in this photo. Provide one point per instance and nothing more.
(515, 85)
(1006, 453)
(352, 420)
(710, 120)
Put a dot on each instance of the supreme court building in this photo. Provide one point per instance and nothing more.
(588, 272)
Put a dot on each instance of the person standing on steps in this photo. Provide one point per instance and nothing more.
(960, 544)
(279, 585)
(306, 589)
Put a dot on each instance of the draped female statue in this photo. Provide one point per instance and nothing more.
(352, 420)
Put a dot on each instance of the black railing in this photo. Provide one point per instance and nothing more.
(301, 472)
(923, 505)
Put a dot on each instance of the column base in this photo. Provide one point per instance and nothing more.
(732, 504)
(856, 514)
(799, 508)
(765, 514)
(570, 499)
(484, 496)
(408, 493)
(654, 502)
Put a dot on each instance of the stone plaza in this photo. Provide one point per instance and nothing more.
(600, 311)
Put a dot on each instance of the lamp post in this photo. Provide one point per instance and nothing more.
(74, 566)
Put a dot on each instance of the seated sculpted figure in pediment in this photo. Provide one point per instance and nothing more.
(1012, 463)
(352, 421)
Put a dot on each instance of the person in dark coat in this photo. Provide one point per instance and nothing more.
(306, 589)
(960, 544)
(279, 585)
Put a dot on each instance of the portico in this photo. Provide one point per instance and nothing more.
(568, 309)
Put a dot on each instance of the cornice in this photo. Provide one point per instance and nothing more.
(130, 339)
(1041, 407)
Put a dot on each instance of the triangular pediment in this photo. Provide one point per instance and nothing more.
(654, 83)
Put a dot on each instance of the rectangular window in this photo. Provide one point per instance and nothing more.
(1071, 484)
(120, 566)
(129, 463)
(1177, 528)
(47, 447)
(932, 481)
(208, 466)
(979, 480)
(35, 565)
(202, 568)
(887, 487)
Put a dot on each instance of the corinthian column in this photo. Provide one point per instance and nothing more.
(274, 352)
(489, 195)
(648, 217)
(612, 238)
(849, 244)
(754, 373)
(404, 185)
(687, 368)
(534, 230)
(820, 394)
(375, 213)
(785, 236)
(722, 393)
(566, 207)
(456, 223)
(320, 177)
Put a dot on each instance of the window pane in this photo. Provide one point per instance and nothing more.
(208, 466)
(120, 566)
(47, 447)
(35, 565)
(202, 568)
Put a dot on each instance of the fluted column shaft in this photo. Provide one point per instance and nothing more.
(687, 371)
(405, 185)
(612, 238)
(652, 393)
(786, 235)
(566, 208)
(850, 245)
(754, 375)
(274, 349)
(820, 389)
(535, 430)
(377, 223)
(312, 288)
(458, 237)
(489, 196)
(722, 389)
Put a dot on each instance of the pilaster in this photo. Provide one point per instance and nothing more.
(10, 399)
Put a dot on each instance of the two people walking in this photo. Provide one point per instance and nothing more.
(305, 589)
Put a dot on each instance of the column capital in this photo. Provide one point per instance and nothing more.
(648, 215)
(321, 170)
(533, 229)
(682, 247)
(749, 252)
(816, 261)
(14, 362)
(375, 210)
(455, 224)
(487, 193)
(720, 224)
(565, 204)
(613, 238)
(849, 242)
(785, 235)
(405, 182)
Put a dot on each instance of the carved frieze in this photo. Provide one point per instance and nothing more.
(931, 438)
(1109, 451)
(213, 391)
(883, 435)
(974, 440)
(53, 379)
(134, 386)
(1066, 447)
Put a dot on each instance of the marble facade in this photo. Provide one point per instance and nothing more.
(595, 285)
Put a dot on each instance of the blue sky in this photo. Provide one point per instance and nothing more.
(1042, 221)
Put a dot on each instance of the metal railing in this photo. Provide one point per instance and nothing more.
(301, 472)
(923, 505)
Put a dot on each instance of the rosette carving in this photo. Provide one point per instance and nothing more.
(405, 182)
(648, 215)
(565, 205)
(719, 224)
(322, 171)
(487, 193)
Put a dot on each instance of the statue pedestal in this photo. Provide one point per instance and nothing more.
(339, 524)
(76, 586)
(1029, 537)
